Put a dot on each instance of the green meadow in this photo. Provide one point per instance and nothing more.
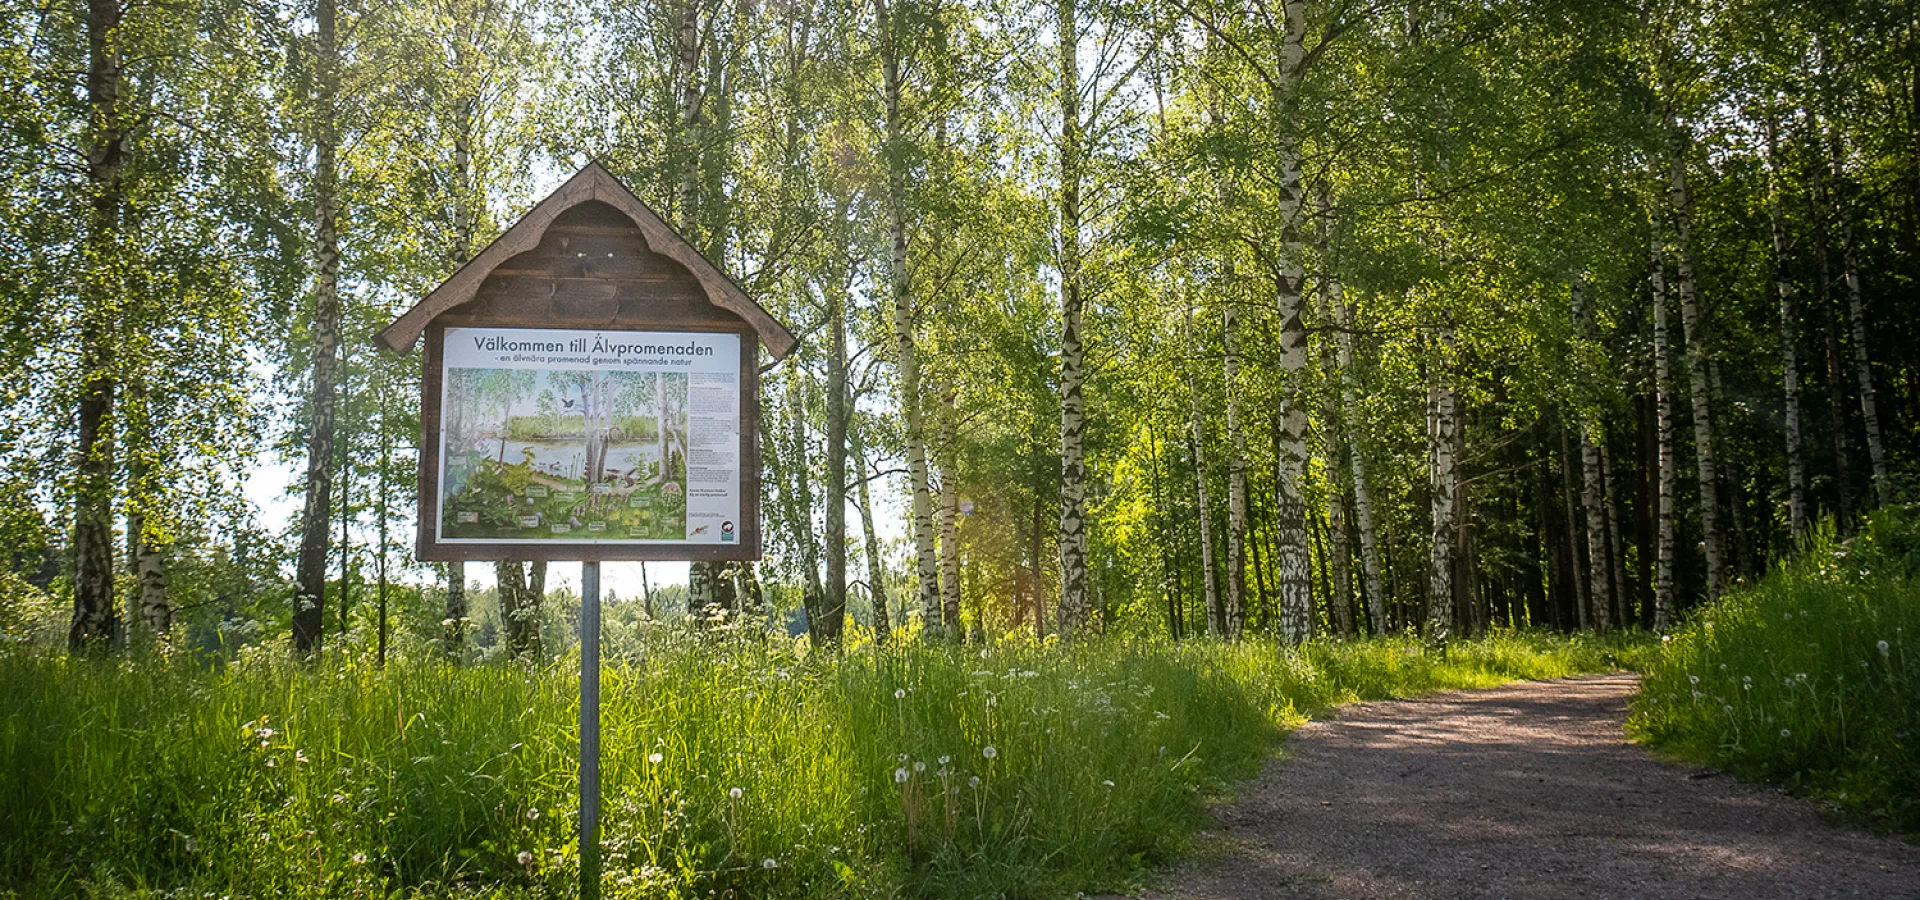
(735, 764)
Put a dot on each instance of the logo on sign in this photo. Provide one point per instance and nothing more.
(726, 532)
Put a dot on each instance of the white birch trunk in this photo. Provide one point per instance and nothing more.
(1340, 594)
(1363, 511)
(1216, 613)
(1591, 494)
(1075, 606)
(1442, 420)
(1680, 205)
(1293, 568)
(949, 518)
(1789, 351)
(1857, 333)
(906, 356)
(1663, 402)
(1235, 613)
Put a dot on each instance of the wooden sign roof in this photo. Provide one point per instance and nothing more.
(590, 184)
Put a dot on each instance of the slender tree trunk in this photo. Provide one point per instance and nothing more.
(812, 594)
(1443, 483)
(521, 588)
(1841, 428)
(146, 547)
(949, 516)
(831, 625)
(1235, 613)
(385, 491)
(1663, 400)
(1216, 611)
(310, 573)
(1789, 350)
(1582, 586)
(1362, 490)
(1857, 332)
(1036, 533)
(1290, 510)
(1616, 551)
(1680, 205)
(1591, 494)
(96, 624)
(1340, 595)
(1075, 606)
(876, 570)
(906, 359)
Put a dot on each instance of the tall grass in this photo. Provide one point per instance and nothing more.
(734, 766)
(1810, 677)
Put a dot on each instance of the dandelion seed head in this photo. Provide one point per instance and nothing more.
(734, 793)
(899, 693)
(768, 863)
(655, 758)
(989, 752)
(526, 858)
(919, 767)
(973, 781)
(900, 775)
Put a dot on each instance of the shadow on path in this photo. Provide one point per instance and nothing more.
(1528, 792)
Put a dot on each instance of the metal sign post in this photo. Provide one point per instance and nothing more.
(590, 730)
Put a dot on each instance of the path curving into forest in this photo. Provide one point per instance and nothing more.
(1528, 792)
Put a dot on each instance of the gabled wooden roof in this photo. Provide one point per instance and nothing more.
(589, 184)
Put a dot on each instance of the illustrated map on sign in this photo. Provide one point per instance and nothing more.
(559, 445)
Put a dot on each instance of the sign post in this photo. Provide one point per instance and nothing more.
(590, 730)
(589, 391)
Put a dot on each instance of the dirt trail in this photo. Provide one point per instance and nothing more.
(1528, 791)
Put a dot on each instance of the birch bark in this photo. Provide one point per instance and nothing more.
(1235, 612)
(1362, 490)
(1680, 206)
(906, 356)
(1857, 332)
(1216, 612)
(1442, 420)
(949, 517)
(1075, 606)
(1340, 556)
(1663, 400)
(1789, 349)
(1291, 561)
(1592, 489)
(310, 570)
(876, 570)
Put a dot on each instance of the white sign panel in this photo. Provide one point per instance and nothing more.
(566, 436)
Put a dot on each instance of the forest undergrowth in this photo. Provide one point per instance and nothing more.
(734, 765)
(1810, 677)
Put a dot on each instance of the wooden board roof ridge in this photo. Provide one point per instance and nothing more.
(593, 182)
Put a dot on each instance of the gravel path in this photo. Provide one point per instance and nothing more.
(1527, 791)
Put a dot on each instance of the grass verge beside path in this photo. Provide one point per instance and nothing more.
(1810, 678)
(732, 766)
